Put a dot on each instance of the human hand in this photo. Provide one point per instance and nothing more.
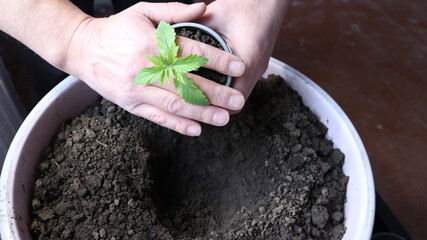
(250, 30)
(107, 53)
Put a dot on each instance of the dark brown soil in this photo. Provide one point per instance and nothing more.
(269, 174)
(203, 37)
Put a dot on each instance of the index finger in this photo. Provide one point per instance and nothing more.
(218, 60)
(217, 94)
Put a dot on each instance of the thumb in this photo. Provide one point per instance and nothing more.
(172, 12)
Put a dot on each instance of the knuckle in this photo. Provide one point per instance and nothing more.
(206, 116)
(123, 99)
(219, 95)
(191, 47)
(133, 67)
(157, 117)
(178, 126)
(174, 105)
(141, 5)
(172, 6)
(223, 63)
(135, 63)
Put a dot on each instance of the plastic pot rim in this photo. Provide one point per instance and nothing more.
(211, 32)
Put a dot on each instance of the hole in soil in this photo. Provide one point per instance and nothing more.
(195, 195)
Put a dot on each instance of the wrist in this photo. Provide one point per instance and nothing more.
(64, 33)
(46, 26)
(75, 51)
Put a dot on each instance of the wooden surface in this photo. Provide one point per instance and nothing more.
(370, 56)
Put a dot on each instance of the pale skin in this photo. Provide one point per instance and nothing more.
(250, 28)
(106, 53)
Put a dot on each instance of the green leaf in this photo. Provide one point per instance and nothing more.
(172, 54)
(167, 64)
(189, 63)
(156, 60)
(149, 75)
(188, 91)
(166, 75)
(165, 36)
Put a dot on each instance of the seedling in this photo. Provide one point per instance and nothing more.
(168, 64)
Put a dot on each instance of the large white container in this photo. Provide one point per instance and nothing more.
(72, 96)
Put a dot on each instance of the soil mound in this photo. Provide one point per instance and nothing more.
(269, 174)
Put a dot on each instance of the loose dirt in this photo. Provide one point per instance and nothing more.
(269, 174)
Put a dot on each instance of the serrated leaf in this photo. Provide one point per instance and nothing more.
(188, 91)
(167, 63)
(172, 54)
(166, 75)
(148, 75)
(156, 60)
(189, 63)
(165, 36)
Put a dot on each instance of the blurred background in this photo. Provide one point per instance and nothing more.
(370, 56)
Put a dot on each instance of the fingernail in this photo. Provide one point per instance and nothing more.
(237, 68)
(220, 118)
(236, 102)
(193, 130)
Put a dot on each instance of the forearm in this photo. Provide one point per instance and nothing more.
(274, 11)
(268, 15)
(263, 16)
(250, 28)
(45, 26)
(267, 8)
(260, 20)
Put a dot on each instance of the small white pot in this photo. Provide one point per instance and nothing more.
(210, 32)
(72, 96)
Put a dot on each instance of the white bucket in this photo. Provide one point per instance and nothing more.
(69, 98)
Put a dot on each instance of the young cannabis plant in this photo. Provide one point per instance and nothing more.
(168, 64)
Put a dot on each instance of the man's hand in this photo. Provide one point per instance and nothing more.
(250, 28)
(107, 53)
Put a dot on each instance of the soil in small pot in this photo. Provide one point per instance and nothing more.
(201, 36)
(269, 174)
